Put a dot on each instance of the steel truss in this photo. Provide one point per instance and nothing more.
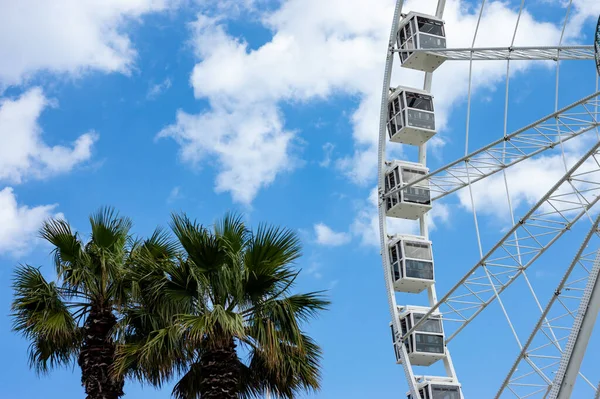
(560, 208)
(538, 365)
(547, 53)
(548, 132)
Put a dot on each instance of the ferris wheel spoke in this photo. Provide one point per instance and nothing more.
(547, 351)
(547, 53)
(510, 150)
(479, 287)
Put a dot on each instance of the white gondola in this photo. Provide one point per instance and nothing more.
(421, 32)
(438, 388)
(411, 119)
(412, 202)
(411, 261)
(425, 345)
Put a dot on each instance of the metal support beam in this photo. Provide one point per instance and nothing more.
(532, 372)
(548, 53)
(565, 378)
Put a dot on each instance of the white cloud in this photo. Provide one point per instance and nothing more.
(19, 224)
(249, 144)
(315, 270)
(326, 236)
(323, 48)
(68, 36)
(174, 195)
(159, 88)
(328, 151)
(23, 153)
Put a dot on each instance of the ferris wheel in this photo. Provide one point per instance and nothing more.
(549, 357)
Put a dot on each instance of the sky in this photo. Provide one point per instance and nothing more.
(270, 108)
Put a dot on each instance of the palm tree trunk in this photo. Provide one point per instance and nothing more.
(219, 372)
(97, 355)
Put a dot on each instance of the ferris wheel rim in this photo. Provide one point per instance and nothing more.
(580, 52)
(597, 46)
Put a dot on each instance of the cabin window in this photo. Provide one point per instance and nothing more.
(419, 101)
(430, 26)
(429, 343)
(432, 324)
(445, 392)
(417, 250)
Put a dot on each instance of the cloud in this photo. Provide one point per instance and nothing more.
(23, 153)
(19, 224)
(326, 236)
(68, 36)
(157, 89)
(318, 49)
(174, 195)
(327, 150)
(249, 143)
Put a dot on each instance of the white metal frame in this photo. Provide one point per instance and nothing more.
(570, 199)
(410, 377)
(539, 360)
(546, 53)
(597, 46)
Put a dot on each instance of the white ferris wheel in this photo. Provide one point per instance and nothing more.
(548, 358)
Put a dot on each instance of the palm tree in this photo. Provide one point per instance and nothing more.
(74, 318)
(227, 295)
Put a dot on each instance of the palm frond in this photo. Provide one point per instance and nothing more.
(109, 229)
(295, 372)
(219, 324)
(188, 387)
(165, 288)
(269, 261)
(275, 323)
(160, 246)
(155, 358)
(40, 314)
(67, 246)
(233, 232)
(202, 248)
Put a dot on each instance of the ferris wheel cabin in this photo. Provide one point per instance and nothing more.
(412, 202)
(438, 390)
(421, 32)
(411, 261)
(426, 345)
(411, 119)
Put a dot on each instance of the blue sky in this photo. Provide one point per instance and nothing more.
(269, 108)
